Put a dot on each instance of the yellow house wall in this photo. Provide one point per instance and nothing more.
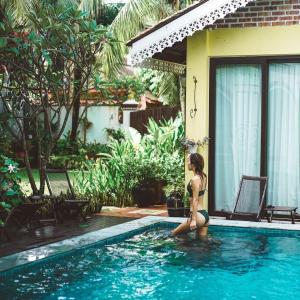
(260, 41)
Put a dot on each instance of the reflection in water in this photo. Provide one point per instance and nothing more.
(236, 254)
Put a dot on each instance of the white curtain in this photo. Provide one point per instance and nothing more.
(238, 129)
(284, 134)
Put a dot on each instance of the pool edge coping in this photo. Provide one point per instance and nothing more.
(33, 255)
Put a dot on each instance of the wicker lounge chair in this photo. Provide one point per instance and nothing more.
(62, 194)
(250, 198)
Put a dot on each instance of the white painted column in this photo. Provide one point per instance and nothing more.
(128, 107)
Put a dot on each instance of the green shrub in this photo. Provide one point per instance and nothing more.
(115, 134)
(10, 189)
(5, 140)
(73, 154)
(104, 181)
(133, 162)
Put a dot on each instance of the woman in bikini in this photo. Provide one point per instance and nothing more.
(199, 218)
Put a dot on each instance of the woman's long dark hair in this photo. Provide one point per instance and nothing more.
(198, 161)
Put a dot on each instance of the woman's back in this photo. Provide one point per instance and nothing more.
(200, 182)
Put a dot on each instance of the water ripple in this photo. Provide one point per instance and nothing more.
(153, 265)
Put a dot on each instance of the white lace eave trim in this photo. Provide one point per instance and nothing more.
(162, 65)
(139, 54)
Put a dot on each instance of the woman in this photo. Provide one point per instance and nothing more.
(199, 218)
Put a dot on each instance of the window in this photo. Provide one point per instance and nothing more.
(255, 129)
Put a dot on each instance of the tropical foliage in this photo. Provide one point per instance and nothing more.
(40, 78)
(120, 89)
(9, 180)
(73, 154)
(10, 189)
(48, 50)
(135, 161)
(163, 85)
(124, 22)
(5, 140)
(135, 16)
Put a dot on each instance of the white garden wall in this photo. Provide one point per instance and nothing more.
(102, 117)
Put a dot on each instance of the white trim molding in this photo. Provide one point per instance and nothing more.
(183, 26)
(162, 65)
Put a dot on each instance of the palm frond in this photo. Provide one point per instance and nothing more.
(132, 18)
(93, 7)
(163, 85)
(17, 8)
(169, 88)
(21, 9)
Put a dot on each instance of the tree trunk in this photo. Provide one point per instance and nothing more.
(28, 166)
(177, 5)
(41, 165)
(42, 169)
(76, 103)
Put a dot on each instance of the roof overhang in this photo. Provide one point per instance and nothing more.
(165, 43)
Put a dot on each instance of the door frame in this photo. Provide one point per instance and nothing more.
(264, 62)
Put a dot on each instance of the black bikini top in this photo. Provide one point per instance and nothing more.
(190, 190)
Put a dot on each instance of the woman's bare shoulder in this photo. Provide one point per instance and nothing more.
(195, 179)
(198, 180)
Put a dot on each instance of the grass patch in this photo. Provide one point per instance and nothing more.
(25, 185)
(24, 177)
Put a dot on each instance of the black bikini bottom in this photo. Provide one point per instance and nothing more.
(204, 213)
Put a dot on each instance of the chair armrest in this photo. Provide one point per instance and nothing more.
(36, 198)
(41, 198)
(49, 197)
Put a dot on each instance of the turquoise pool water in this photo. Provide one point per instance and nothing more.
(231, 264)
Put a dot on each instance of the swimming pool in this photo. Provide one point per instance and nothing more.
(233, 263)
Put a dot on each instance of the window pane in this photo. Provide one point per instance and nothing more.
(238, 129)
(284, 134)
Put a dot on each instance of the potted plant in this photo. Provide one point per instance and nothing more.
(144, 194)
(146, 176)
(187, 205)
(175, 200)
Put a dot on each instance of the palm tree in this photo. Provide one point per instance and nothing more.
(18, 7)
(135, 16)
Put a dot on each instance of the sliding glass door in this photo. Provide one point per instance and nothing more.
(284, 134)
(238, 119)
(255, 129)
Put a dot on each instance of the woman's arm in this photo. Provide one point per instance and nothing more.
(195, 189)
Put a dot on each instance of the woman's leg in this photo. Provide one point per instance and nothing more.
(202, 227)
(202, 231)
(185, 227)
(182, 228)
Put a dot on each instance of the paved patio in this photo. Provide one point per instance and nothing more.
(135, 212)
(24, 240)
